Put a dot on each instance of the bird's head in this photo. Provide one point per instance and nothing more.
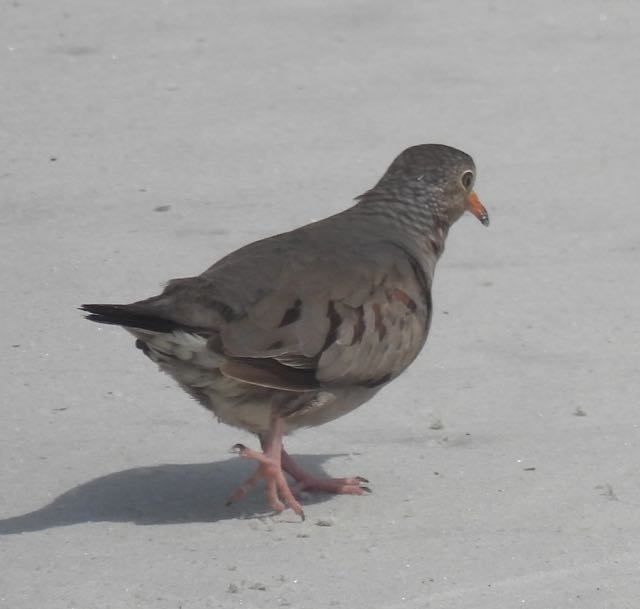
(439, 177)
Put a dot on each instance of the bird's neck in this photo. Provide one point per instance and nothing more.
(417, 221)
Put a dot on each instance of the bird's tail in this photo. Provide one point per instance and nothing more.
(129, 316)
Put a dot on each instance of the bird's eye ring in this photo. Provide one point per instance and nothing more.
(467, 179)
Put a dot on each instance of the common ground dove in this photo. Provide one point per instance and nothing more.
(301, 328)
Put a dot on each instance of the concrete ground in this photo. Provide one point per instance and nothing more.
(143, 140)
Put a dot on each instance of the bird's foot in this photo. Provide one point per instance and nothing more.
(269, 470)
(307, 482)
(338, 486)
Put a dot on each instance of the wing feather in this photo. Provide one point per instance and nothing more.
(357, 326)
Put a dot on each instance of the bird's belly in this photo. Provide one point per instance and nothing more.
(237, 404)
(329, 405)
(252, 407)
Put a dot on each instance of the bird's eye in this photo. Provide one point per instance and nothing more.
(467, 179)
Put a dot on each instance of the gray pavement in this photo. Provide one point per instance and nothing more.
(143, 140)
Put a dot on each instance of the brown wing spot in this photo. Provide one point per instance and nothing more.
(334, 322)
(403, 297)
(292, 314)
(381, 329)
(358, 329)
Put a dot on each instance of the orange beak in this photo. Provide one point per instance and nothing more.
(477, 208)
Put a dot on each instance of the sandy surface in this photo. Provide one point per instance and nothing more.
(505, 463)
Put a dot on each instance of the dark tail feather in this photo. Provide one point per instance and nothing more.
(126, 315)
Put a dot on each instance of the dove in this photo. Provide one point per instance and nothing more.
(303, 327)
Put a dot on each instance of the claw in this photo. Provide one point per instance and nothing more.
(272, 461)
(269, 469)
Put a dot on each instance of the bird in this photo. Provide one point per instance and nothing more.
(298, 329)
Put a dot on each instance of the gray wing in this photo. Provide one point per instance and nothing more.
(333, 303)
(326, 324)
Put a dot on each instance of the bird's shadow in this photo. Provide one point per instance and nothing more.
(160, 494)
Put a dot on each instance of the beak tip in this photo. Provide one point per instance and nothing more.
(477, 208)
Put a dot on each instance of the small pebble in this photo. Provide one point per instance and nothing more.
(326, 522)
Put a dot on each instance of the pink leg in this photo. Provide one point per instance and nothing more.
(307, 482)
(269, 469)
